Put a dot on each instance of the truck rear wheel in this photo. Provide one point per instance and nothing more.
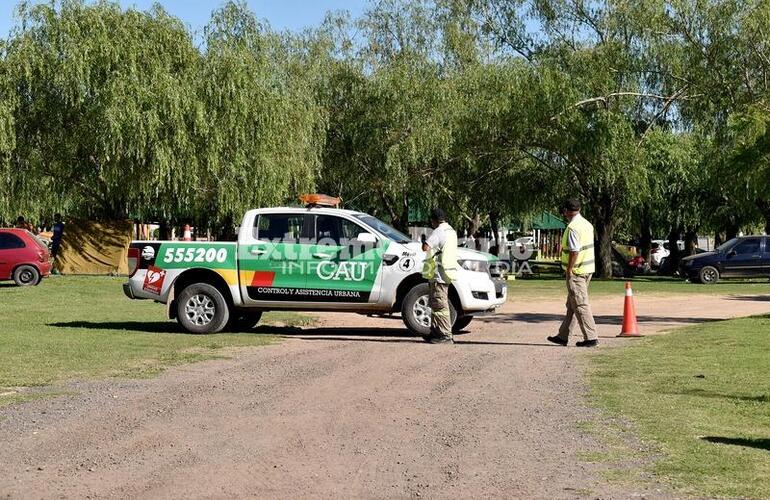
(416, 311)
(201, 308)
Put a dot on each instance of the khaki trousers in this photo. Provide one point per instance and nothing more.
(578, 308)
(438, 299)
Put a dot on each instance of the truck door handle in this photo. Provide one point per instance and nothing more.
(321, 255)
(257, 251)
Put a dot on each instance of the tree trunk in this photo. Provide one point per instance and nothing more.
(764, 208)
(494, 221)
(675, 254)
(604, 225)
(473, 227)
(163, 230)
(690, 241)
(604, 234)
(403, 218)
(719, 238)
(646, 233)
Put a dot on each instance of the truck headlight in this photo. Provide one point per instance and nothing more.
(478, 266)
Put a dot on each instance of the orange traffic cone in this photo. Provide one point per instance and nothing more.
(187, 233)
(630, 328)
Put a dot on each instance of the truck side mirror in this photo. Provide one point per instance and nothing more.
(366, 238)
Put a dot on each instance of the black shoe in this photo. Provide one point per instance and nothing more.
(441, 340)
(557, 340)
(587, 343)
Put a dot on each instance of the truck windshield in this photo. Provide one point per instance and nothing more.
(386, 230)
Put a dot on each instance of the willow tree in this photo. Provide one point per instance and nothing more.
(390, 115)
(107, 112)
(263, 128)
(7, 141)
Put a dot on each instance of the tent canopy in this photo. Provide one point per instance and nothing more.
(90, 247)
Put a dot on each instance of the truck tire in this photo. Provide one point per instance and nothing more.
(243, 321)
(26, 275)
(416, 313)
(201, 308)
(461, 323)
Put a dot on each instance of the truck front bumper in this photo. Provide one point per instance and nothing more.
(127, 290)
(479, 294)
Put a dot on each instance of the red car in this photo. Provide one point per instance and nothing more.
(23, 258)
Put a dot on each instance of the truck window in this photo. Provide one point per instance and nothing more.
(279, 227)
(336, 230)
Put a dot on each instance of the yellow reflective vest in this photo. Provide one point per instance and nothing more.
(442, 261)
(585, 262)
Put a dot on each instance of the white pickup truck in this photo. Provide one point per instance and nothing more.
(304, 259)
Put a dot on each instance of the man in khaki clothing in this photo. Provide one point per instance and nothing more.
(577, 260)
(440, 270)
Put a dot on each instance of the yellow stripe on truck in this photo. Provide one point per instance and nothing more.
(229, 275)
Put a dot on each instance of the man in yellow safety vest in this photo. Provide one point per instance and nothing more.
(440, 269)
(577, 260)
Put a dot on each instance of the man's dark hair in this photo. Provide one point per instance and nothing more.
(20, 219)
(437, 215)
(571, 205)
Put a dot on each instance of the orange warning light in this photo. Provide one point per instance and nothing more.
(320, 200)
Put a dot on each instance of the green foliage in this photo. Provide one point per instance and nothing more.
(490, 108)
(118, 114)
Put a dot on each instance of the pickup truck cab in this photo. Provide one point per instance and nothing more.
(304, 259)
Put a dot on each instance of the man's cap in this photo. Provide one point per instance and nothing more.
(438, 215)
(571, 205)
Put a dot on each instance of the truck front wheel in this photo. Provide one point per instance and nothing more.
(416, 311)
(461, 323)
(201, 308)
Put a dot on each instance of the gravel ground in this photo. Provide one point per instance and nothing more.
(350, 408)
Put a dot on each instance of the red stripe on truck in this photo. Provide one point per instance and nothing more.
(263, 278)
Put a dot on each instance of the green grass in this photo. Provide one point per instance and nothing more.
(554, 287)
(84, 327)
(701, 395)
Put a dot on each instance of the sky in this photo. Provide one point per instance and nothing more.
(281, 14)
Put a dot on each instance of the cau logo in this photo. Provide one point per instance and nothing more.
(347, 271)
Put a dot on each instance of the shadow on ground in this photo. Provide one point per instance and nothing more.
(126, 326)
(599, 319)
(416, 340)
(758, 443)
(702, 393)
(750, 298)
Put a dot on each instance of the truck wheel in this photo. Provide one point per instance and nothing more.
(416, 313)
(244, 321)
(201, 308)
(26, 276)
(708, 275)
(461, 323)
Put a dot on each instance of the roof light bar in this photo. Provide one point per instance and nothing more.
(320, 200)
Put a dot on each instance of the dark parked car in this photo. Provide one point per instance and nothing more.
(744, 257)
(23, 257)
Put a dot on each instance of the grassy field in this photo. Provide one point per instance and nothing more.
(84, 327)
(553, 287)
(701, 396)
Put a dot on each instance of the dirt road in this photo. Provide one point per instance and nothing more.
(352, 408)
